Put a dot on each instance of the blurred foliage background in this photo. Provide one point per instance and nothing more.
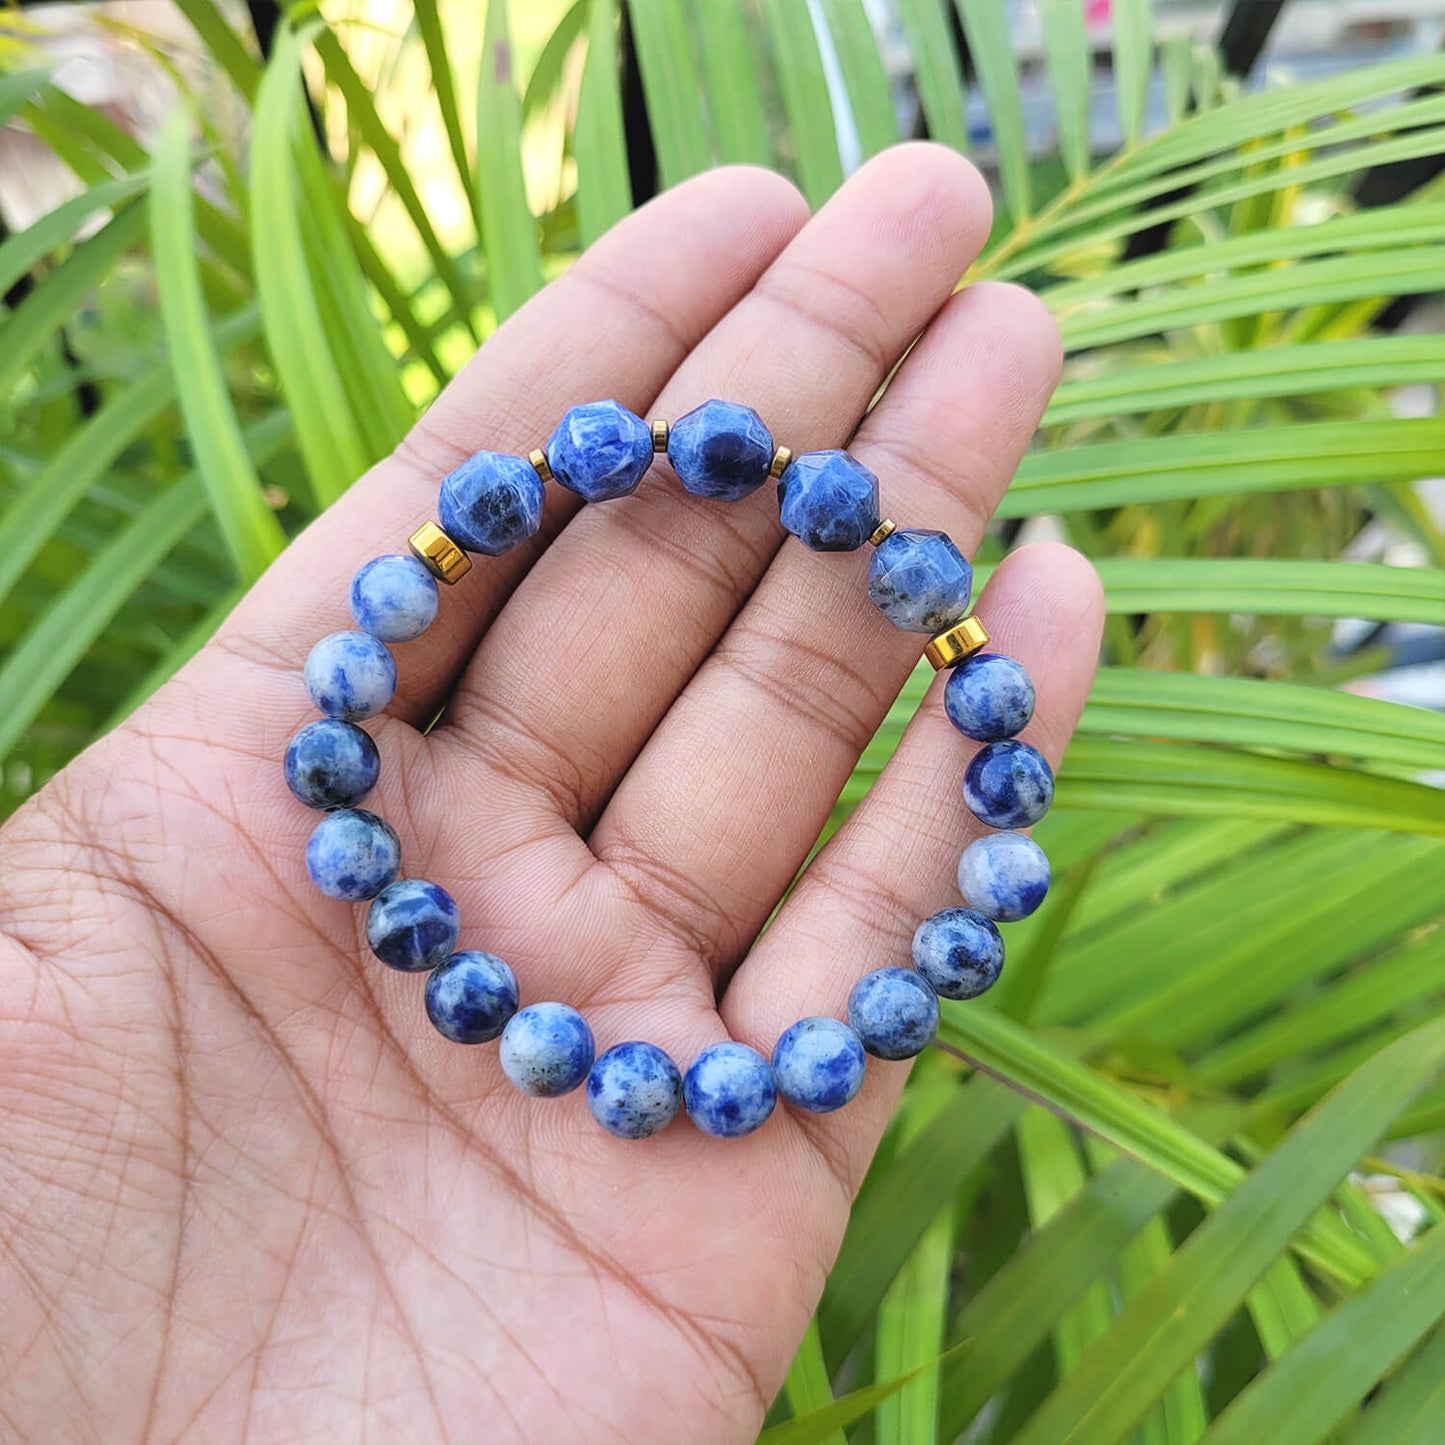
(1178, 1178)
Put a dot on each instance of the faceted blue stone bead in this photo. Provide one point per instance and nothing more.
(920, 581)
(546, 1049)
(829, 501)
(729, 1090)
(959, 952)
(1008, 784)
(818, 1064)
(394, 598)
(1003, 875)
(331, 764)
(600, 451)
(350, 675)
(352, 854)
(491, 502)
(894, 1012)
(989, 697)
(412, 925)
(470, 996)
(721, 450)
(634, 1090)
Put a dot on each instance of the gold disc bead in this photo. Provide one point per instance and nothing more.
(781, 458)
(659, 434)
(956, 644)
(538, 459)
(883, 531)
(440, 555)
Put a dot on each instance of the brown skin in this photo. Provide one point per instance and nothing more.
(245, 1191)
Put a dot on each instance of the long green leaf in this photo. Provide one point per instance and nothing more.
(805, 99)
(671, 85)
(444, 87)
(734, 100)
(19, 87)
(223, 44)
(1133, 33)
(937, 74)
(869, 102)
(806, 1386)
(1410, 1408)
(604, 192)
(985, 23)
(1066, 47)
(58, 226)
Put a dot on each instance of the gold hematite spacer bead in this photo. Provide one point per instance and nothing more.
(442, 556)
(883, 531)
(659, 434)
(780, 461)
(954, 644)
(538, 459)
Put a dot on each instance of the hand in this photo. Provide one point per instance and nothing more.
(247, 1191)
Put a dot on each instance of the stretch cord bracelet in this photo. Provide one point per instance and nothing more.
(918, 579)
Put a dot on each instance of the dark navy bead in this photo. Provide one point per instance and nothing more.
(634, 1090)
(729, 1090)
(1008, 784)
(470, 996)
(600, 451)
(331, 764)
(829, 501)
(1003, 875)
(894, 1012)
(818, 1064)
(394, 598)
(350, 675)
(412, 925)
(989, 697)
(546, 1049)
(959, 952)
(721, 450)
(352, 854)
(491, 502)
(920, 581)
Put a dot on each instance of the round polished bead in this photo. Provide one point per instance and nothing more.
(634, 1090)
(959, 952)
(352, 854)
(350, 675)
(720, 450)
(491, 502)
(394, 598)
(894, 1012)
(989, 697)
(1003, 875)
(331, 764)
(729, 1090)
(470, 996)
(919, 580)
(1008, 785)
(600, 450)
(829, 501)
(546, 1049)
(412, 925)
(818, 1064)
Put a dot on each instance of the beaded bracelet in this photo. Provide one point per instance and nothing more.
(918, 579)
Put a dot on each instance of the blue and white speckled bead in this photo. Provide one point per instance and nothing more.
(818, 1064)
(394, 598)
(634, 1090)
(828, 501)
(894, 1012)
(959, 952)
(331, 764)
(729, 1090)
(491, 502)
(352, 854)
(547, 1049)
(1008, 784)
(350, 675)
(471, 996)
(919, 580)
(600, 450)
(412, 925)
(1003, 875)
(989, 697)
(720, 450)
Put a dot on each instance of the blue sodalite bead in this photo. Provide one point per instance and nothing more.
(352, 854)
(546, 1049)
(818, 1064)
(491, 502)
(350, 675)
(829, 501)
(989, 697)
(331, 764)
(729, 1090)
(470, 996)
(959, 952)
(394, 598)
(894, 1012)
(721, 450)
(1003, 875)
(634, 1090)
(920, 581)
(600, 451)
(412, 925)
(1008, 784)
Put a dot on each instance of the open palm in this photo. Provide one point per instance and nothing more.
(247, 1191)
